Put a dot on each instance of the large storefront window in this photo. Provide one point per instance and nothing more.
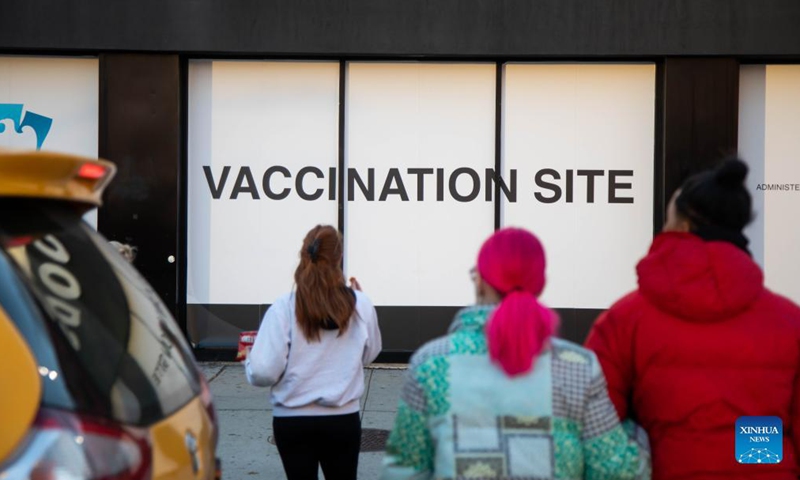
(263, 137)
(412, 160)
(769, 122)
(50, 103)
(426, 133)
(580, 138)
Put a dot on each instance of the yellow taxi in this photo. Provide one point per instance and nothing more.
(96, 379)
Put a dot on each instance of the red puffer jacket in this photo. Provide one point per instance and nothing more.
(701, 343)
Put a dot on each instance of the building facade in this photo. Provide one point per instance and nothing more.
(417, 128)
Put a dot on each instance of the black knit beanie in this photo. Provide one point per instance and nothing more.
(717, 203)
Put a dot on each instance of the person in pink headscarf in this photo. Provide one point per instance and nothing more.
(501, 397)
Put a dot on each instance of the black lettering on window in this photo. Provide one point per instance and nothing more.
(265, 183)
(590, 174)
(213, 187)
(299, 183)
(613, 186)
(367, 190)
(244, 184)
(548, 186)
(400, 189)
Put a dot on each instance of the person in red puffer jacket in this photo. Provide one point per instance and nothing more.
(702, 342)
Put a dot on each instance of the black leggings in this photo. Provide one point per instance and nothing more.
(305, 443)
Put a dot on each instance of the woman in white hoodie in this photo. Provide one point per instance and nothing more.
(311, 349)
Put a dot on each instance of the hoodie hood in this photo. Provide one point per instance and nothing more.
(697, 280)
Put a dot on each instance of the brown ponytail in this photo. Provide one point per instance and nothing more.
(322, 298)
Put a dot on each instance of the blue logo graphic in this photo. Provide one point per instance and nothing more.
(759, 440)
(39, 123)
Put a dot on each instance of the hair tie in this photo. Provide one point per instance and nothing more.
(313, 250)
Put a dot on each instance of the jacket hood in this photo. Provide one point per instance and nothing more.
(698, 280)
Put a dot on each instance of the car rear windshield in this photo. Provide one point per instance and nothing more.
(105, 343)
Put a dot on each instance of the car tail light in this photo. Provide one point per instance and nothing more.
(91, 171)
(67, 446)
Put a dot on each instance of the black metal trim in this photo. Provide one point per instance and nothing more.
(214, 354)
(659, 159)
(404, 328)
(788, 59)
(411, 28)
(498, 144)
(701, 104)
(102, 111)
(342, 131)
(183, 197)
(229, 355)
(393, 356)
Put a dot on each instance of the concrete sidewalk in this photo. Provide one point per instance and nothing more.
(245, 417)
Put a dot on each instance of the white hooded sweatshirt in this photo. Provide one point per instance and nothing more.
(313, 378)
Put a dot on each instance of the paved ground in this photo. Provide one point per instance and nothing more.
(245, 417)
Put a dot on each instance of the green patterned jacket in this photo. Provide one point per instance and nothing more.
(461, 417)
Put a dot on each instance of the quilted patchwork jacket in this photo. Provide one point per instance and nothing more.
(461, 417)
